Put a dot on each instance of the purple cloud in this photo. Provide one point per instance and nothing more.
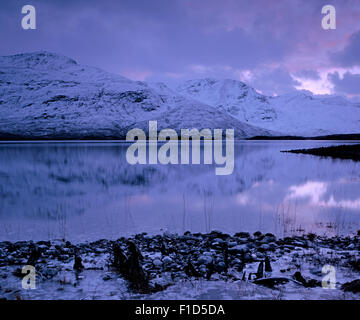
(276, 81)
(307, 74)
(163, 39)
(348, 84)
(350, 55)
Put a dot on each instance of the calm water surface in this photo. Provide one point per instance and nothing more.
(86, 191)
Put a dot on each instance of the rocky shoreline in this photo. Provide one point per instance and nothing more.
(149, 265)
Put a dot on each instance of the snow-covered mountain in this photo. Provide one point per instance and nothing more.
(295, 113)
(48, 95)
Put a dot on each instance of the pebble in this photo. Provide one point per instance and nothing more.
(204, 259)
(167, 260)
(157, 263)
(241, 248)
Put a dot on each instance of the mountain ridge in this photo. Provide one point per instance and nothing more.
(299, 113)
(45, 95)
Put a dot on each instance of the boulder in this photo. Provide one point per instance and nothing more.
(353, 286)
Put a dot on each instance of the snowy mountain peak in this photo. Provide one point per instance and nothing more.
(38, 60)
(299, 112)
(216, 91)
(195, 86)
(298, 94)
(231, 96)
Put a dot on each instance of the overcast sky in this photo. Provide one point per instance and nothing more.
(274, 45)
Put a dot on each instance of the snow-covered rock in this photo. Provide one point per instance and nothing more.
(296, 113)
(45, 95)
